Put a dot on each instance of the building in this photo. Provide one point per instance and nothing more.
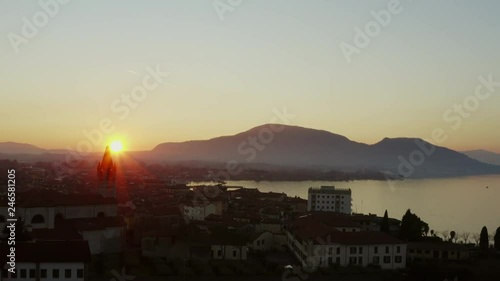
(106, 175)
(419, 251)
(316, 247)
(199, 211)
(323, 239)
(329, 199)
(47, 260)
(92, 215)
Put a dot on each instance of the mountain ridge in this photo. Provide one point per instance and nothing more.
(286, 145)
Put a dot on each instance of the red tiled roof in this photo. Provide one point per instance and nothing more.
(46, 198)
(89, 224)
(56, 234)
(48, 251)
(364, 238)
(327, 218)
(166, 211)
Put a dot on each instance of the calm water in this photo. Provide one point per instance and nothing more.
(460, 204)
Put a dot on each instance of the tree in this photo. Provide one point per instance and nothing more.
(432, 233)
(445, 234)
(496, 239)
(22, 233)
(484, 240)
(475, 238)
(384, 225)
(465, 236)
(453, 234)
(412, 227)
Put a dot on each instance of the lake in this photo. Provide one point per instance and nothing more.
(459, 204)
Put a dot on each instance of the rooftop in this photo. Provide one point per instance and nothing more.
(329, 189)
(48, 251)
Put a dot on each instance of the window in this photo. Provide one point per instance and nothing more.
(22, 273)
(360, 250)
(387, 249)
(337, 260)
(353, 260)
(360, 260)
(32, 273)
(219, 253)
(398, 259)
(43, 273)
(375, 250)
(338, 251)
(376, 260)
(234, 253)
(55, 273)
(37, 219)
(258, 242)
(330, 251)
(67, 273)
(398, 249)
(79, 273)
(387, 259)
(352, 250)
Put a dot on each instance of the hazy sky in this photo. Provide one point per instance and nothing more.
(228, 75)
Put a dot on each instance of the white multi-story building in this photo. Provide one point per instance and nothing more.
(47, 260)
(329, 199)
(347, 248)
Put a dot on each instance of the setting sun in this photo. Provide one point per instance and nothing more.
(116, 146)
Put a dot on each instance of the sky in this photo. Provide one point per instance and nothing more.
(227, 66)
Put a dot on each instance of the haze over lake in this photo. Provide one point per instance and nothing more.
(460, 204)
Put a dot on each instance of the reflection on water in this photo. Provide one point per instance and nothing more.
(460, 204)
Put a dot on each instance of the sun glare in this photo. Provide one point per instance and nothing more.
(116, 146)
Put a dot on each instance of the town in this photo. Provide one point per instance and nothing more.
(165, 227)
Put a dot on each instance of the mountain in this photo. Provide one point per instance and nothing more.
(298, 147)
(20, 148)
(484, 156)
(304, 147)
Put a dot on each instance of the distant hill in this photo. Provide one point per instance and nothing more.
(304, 147)
(20, 148)
(300, 147)
(484, 156)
